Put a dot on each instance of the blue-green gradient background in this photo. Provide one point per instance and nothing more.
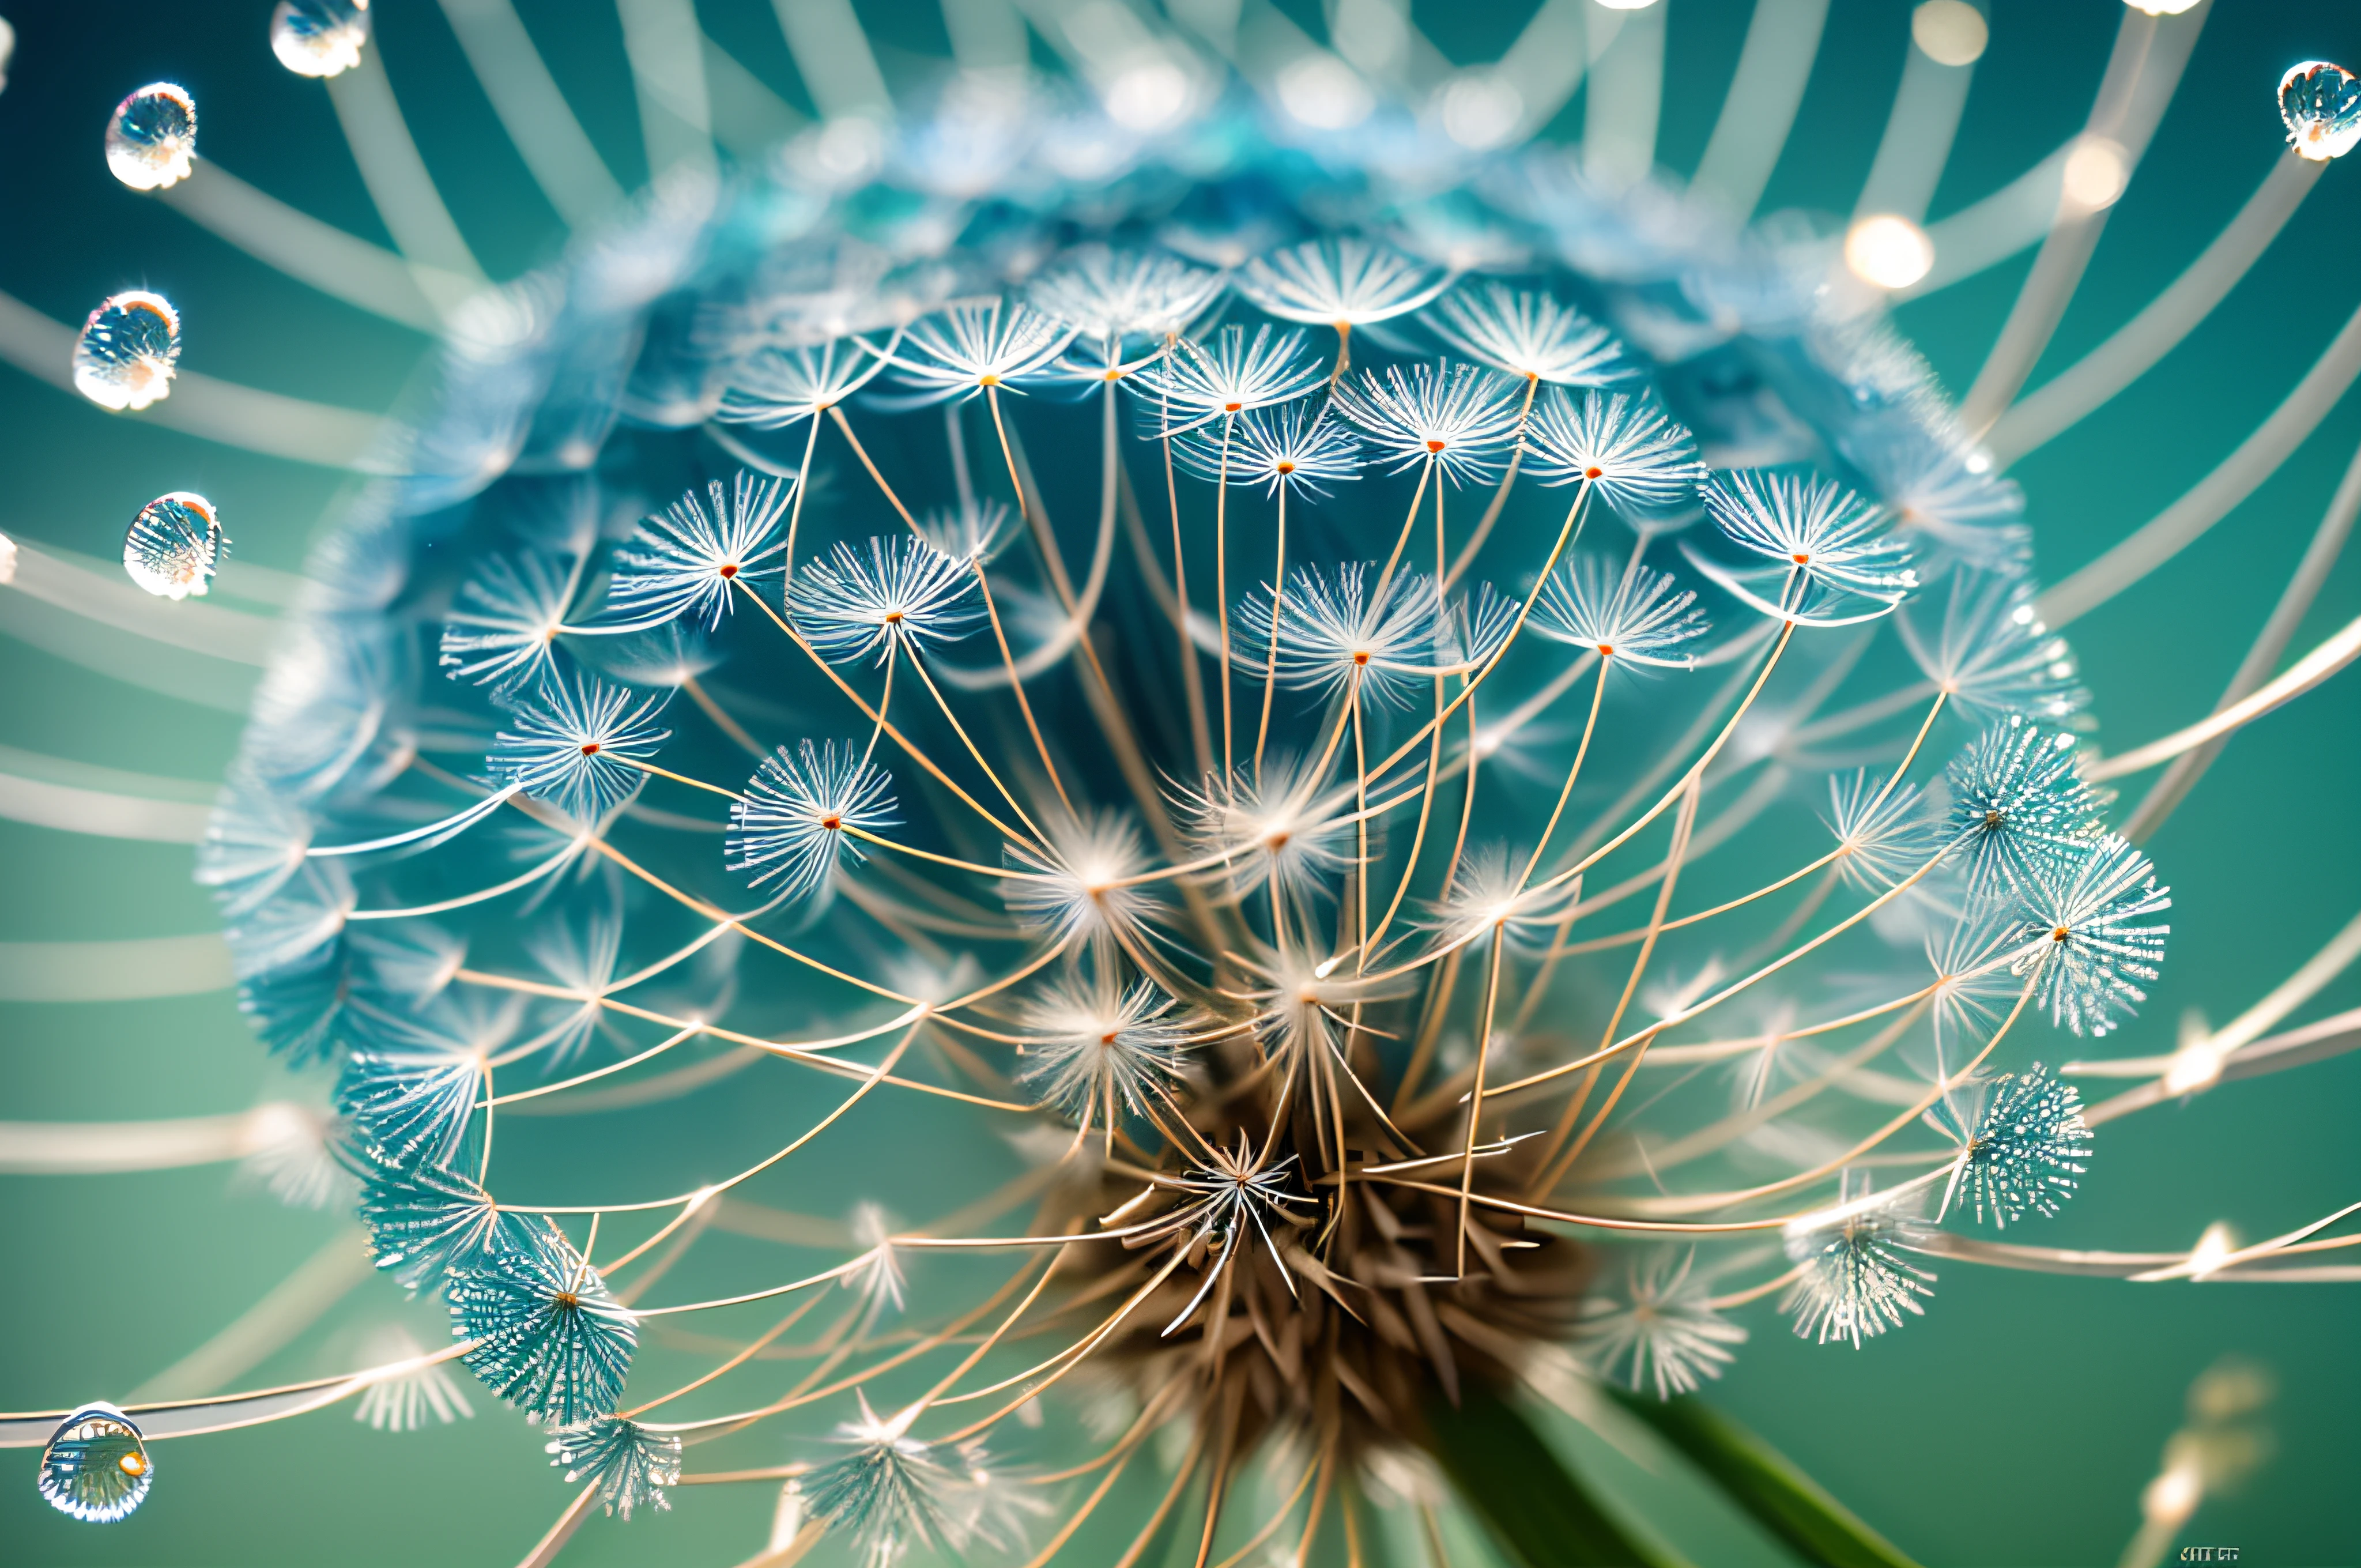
(2015, 1425)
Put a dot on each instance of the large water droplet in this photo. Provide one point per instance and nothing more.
(95, 1468)
(125, 356)
(175, 545)
(2322, 106)
(152, 138)
(318, 38)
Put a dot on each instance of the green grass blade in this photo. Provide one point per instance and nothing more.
(1512, 1479)
(1767, 1484)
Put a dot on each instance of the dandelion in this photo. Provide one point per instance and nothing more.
(891, 1493)
(407, 1403)
(1342, 283)
(972, 348)
(1294, 451)
(1339, 637)
(1108, 295)
(1827, 546)
(1334, 1063)
(778, 386)
(1090, 1048)
(2019, 805)
(1881, 834)
(1991, 654)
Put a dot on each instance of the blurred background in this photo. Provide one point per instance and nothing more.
(2015, 1425)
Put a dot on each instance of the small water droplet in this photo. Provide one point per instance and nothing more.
(96, 1467)
(152, 138)
(125, 356)
(2322, 106)
(175, 545)
(318, 38)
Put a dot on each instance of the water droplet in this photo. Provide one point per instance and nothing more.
(2322, 106)
(96, 1467)
(125, 356)
(152, 138)
(175, 545)
(318, 38)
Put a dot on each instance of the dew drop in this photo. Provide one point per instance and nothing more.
(318, 38)
(2322, 106)
(175, 546)
(125, 356)
(96, 1467)
(152, 138)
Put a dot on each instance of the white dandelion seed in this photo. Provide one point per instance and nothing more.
(1199, 383)
(1659, 1328)
(1632, 455)
(1458, 417)
(1091, 1045)
(1527, 333)
(1644, 619)
(896, 594)
(686, 561)
(1343, 283)
(788, 827)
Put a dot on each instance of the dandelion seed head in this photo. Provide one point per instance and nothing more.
(1343, 282)
(549, 1336)
(1526, 333)
(1199, 384)
(571, 740)
(2019, 805)
(689, 560)
(408, 1402)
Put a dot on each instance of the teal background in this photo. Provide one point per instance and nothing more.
(2015, 1425)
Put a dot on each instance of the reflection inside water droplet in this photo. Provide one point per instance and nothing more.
(2322, 106)
(152, 138)
(125, 356)
(95, 1468)
(175, 545)
(318, 38)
